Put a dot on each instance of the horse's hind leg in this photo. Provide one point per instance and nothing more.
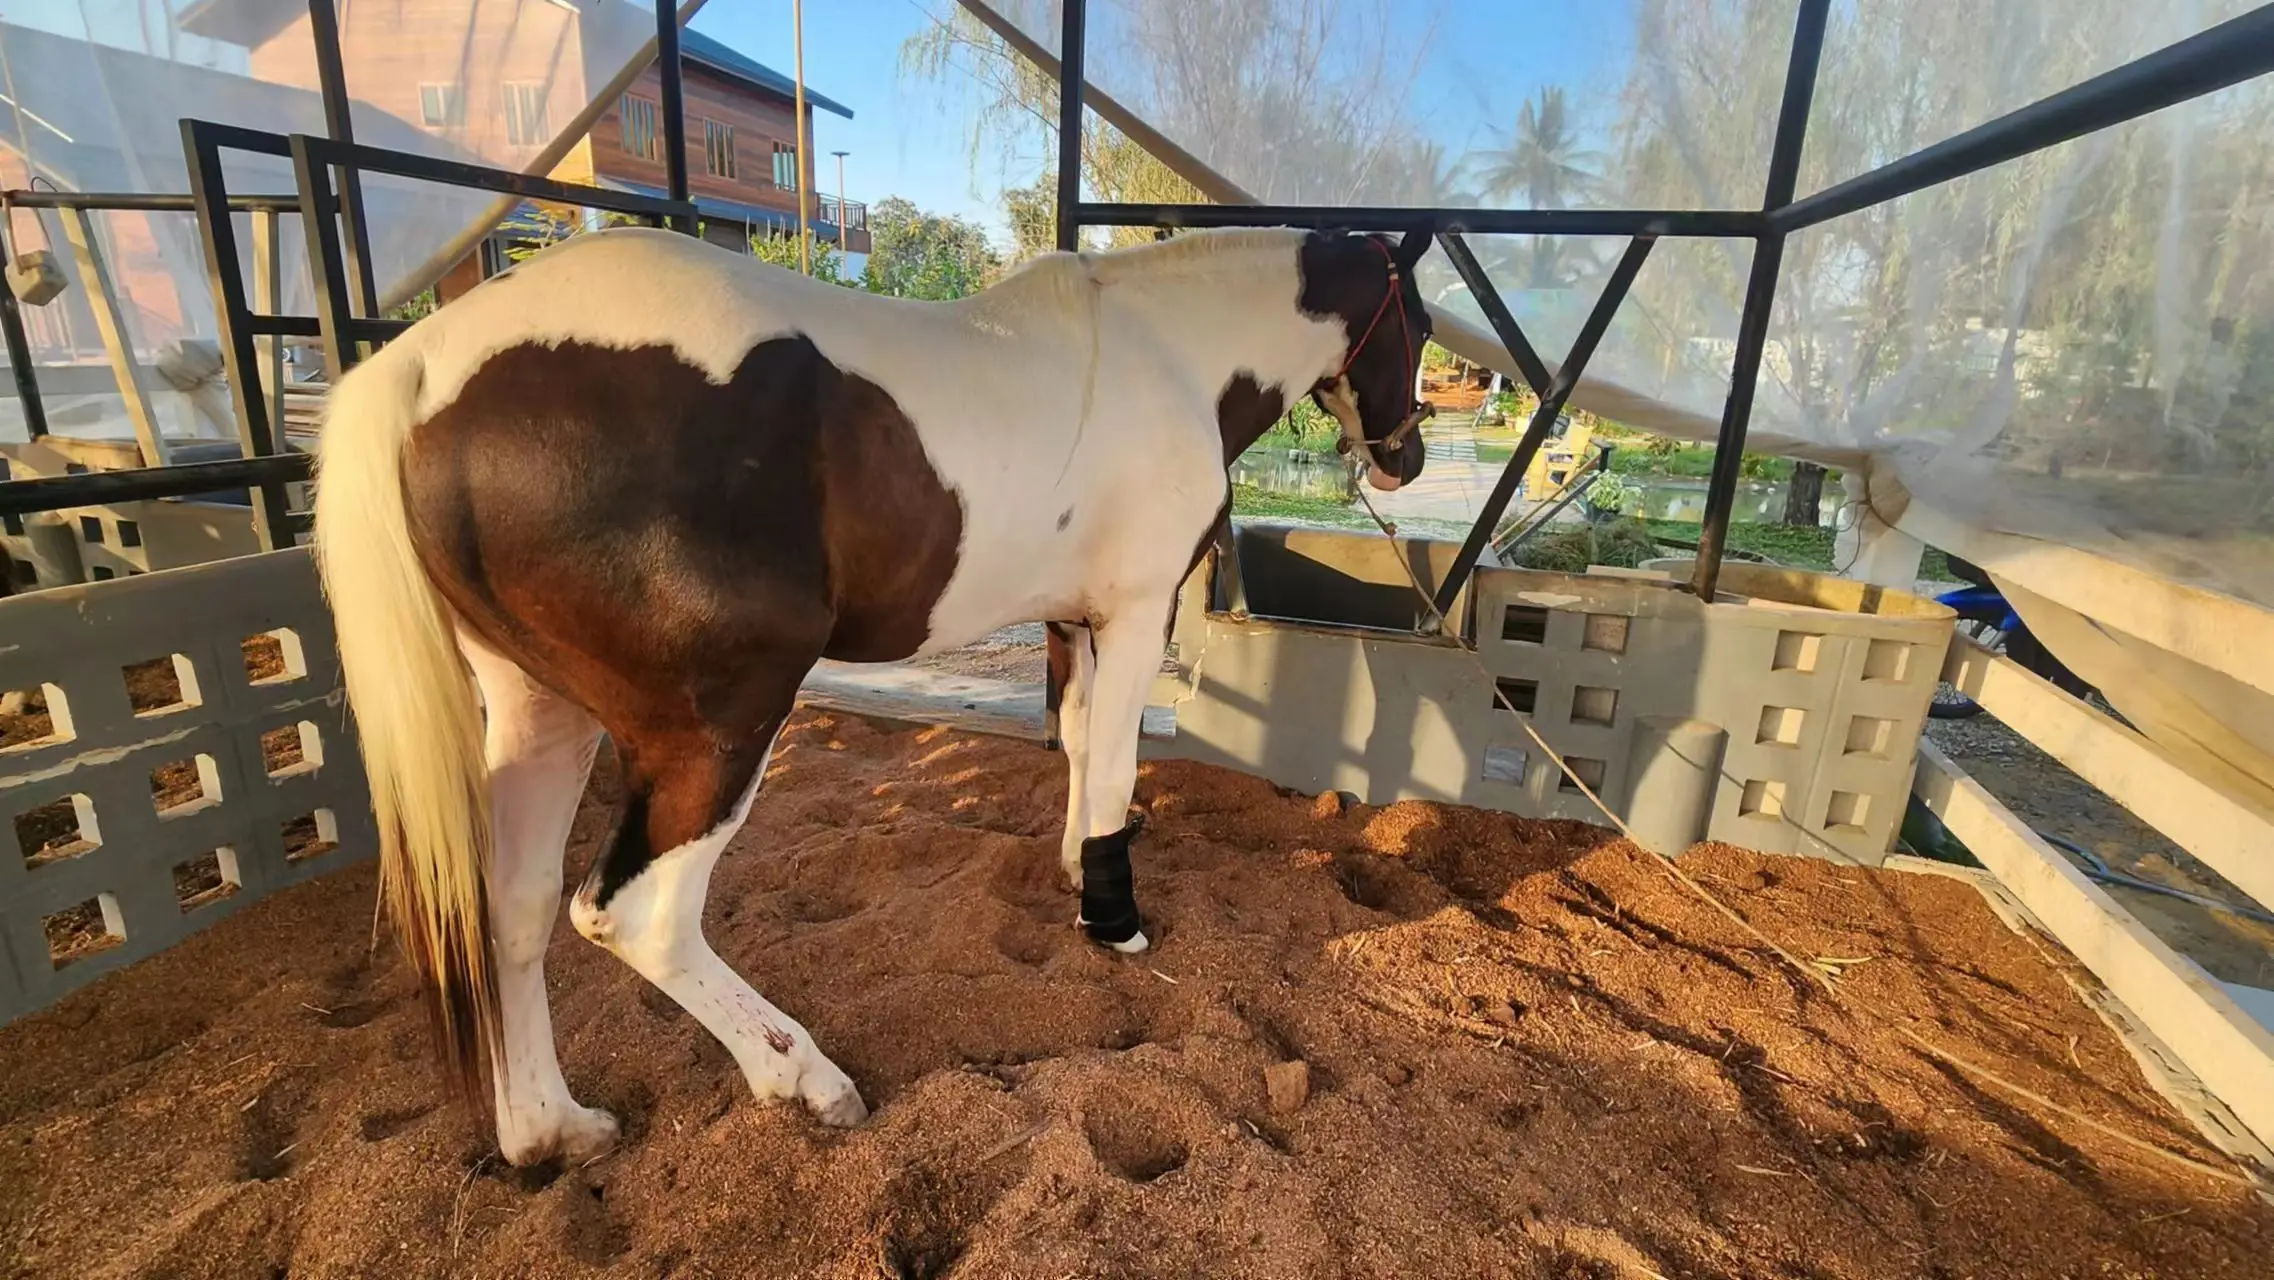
(686, 793)
(540, 748)
(1072, 640)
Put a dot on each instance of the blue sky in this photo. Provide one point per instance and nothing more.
(910, 139)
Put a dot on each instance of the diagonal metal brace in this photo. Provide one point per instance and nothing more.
(1552, 398)
(1528, 362)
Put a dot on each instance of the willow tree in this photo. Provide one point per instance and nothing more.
(1298, 101)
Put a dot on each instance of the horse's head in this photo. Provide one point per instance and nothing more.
(1367, 281)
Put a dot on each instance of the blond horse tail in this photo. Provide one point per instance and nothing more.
(413, 702)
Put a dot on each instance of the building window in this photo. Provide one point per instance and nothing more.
(639, 133)
(129, 533)
(525, 114)
(785, 166)
(718, 148)
(441, 106)
(91, 529)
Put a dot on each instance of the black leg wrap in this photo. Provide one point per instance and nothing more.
(1109, 895)
(1050, 739)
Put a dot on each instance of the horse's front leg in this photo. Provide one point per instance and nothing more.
(1127, 646)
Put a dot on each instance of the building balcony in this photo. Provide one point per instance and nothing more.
(849, 215)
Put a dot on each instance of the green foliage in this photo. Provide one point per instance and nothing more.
(1611, 493)
(533, 227)
(417, 308)
(914, 254)
(1659, 456)
(1307, 426)
(781, 251)
(1032, 212)
(1437, 359)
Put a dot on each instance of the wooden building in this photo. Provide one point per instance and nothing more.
(500, 81)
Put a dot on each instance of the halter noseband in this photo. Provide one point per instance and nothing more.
(1354, 434)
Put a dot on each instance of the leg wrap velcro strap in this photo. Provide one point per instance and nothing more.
(1109, 896)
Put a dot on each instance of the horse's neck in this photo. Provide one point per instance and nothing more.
(1211, 326)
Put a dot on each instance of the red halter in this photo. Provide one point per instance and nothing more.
(1405, 329)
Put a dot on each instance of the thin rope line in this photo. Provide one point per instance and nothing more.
(1445, 628)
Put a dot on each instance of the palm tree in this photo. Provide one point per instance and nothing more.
(1544, 163)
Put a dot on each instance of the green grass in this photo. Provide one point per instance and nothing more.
(1248, 500)
(1800, 548)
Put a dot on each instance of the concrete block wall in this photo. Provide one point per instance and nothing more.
(1817, 689)
(75, 644)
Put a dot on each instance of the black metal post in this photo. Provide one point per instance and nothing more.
(181, 480)
(201, 146)
(339, 125)
(1543, 419)
(1555, 222)
(2227, 54)
(1760, 296)
(327, 273)
(1074, 17)
(1496, 312)
(674, 99)
(142, 202)
(19, 345)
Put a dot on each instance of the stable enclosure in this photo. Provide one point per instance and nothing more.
(1522, 1045)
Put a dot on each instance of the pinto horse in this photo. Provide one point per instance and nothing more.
(639, 484)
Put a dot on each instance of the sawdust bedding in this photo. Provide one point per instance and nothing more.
(1415, 1040)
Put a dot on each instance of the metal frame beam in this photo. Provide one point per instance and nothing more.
(140, 201)
(2236, 50)
(339, 123)
(1552, 400)
(180, 480)
(202, 145)
(1072, 49)
(1525, 222)
(1760, 295)
(668, 70)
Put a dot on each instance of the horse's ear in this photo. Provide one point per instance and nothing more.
(1412, 246)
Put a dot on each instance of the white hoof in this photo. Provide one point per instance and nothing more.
(584, 1133)
(1135, 943)
(829, 1093)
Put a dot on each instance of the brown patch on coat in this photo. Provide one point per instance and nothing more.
(674, 554)
(1245, 410)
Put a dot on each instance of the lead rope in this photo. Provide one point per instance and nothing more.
(1706, 895)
